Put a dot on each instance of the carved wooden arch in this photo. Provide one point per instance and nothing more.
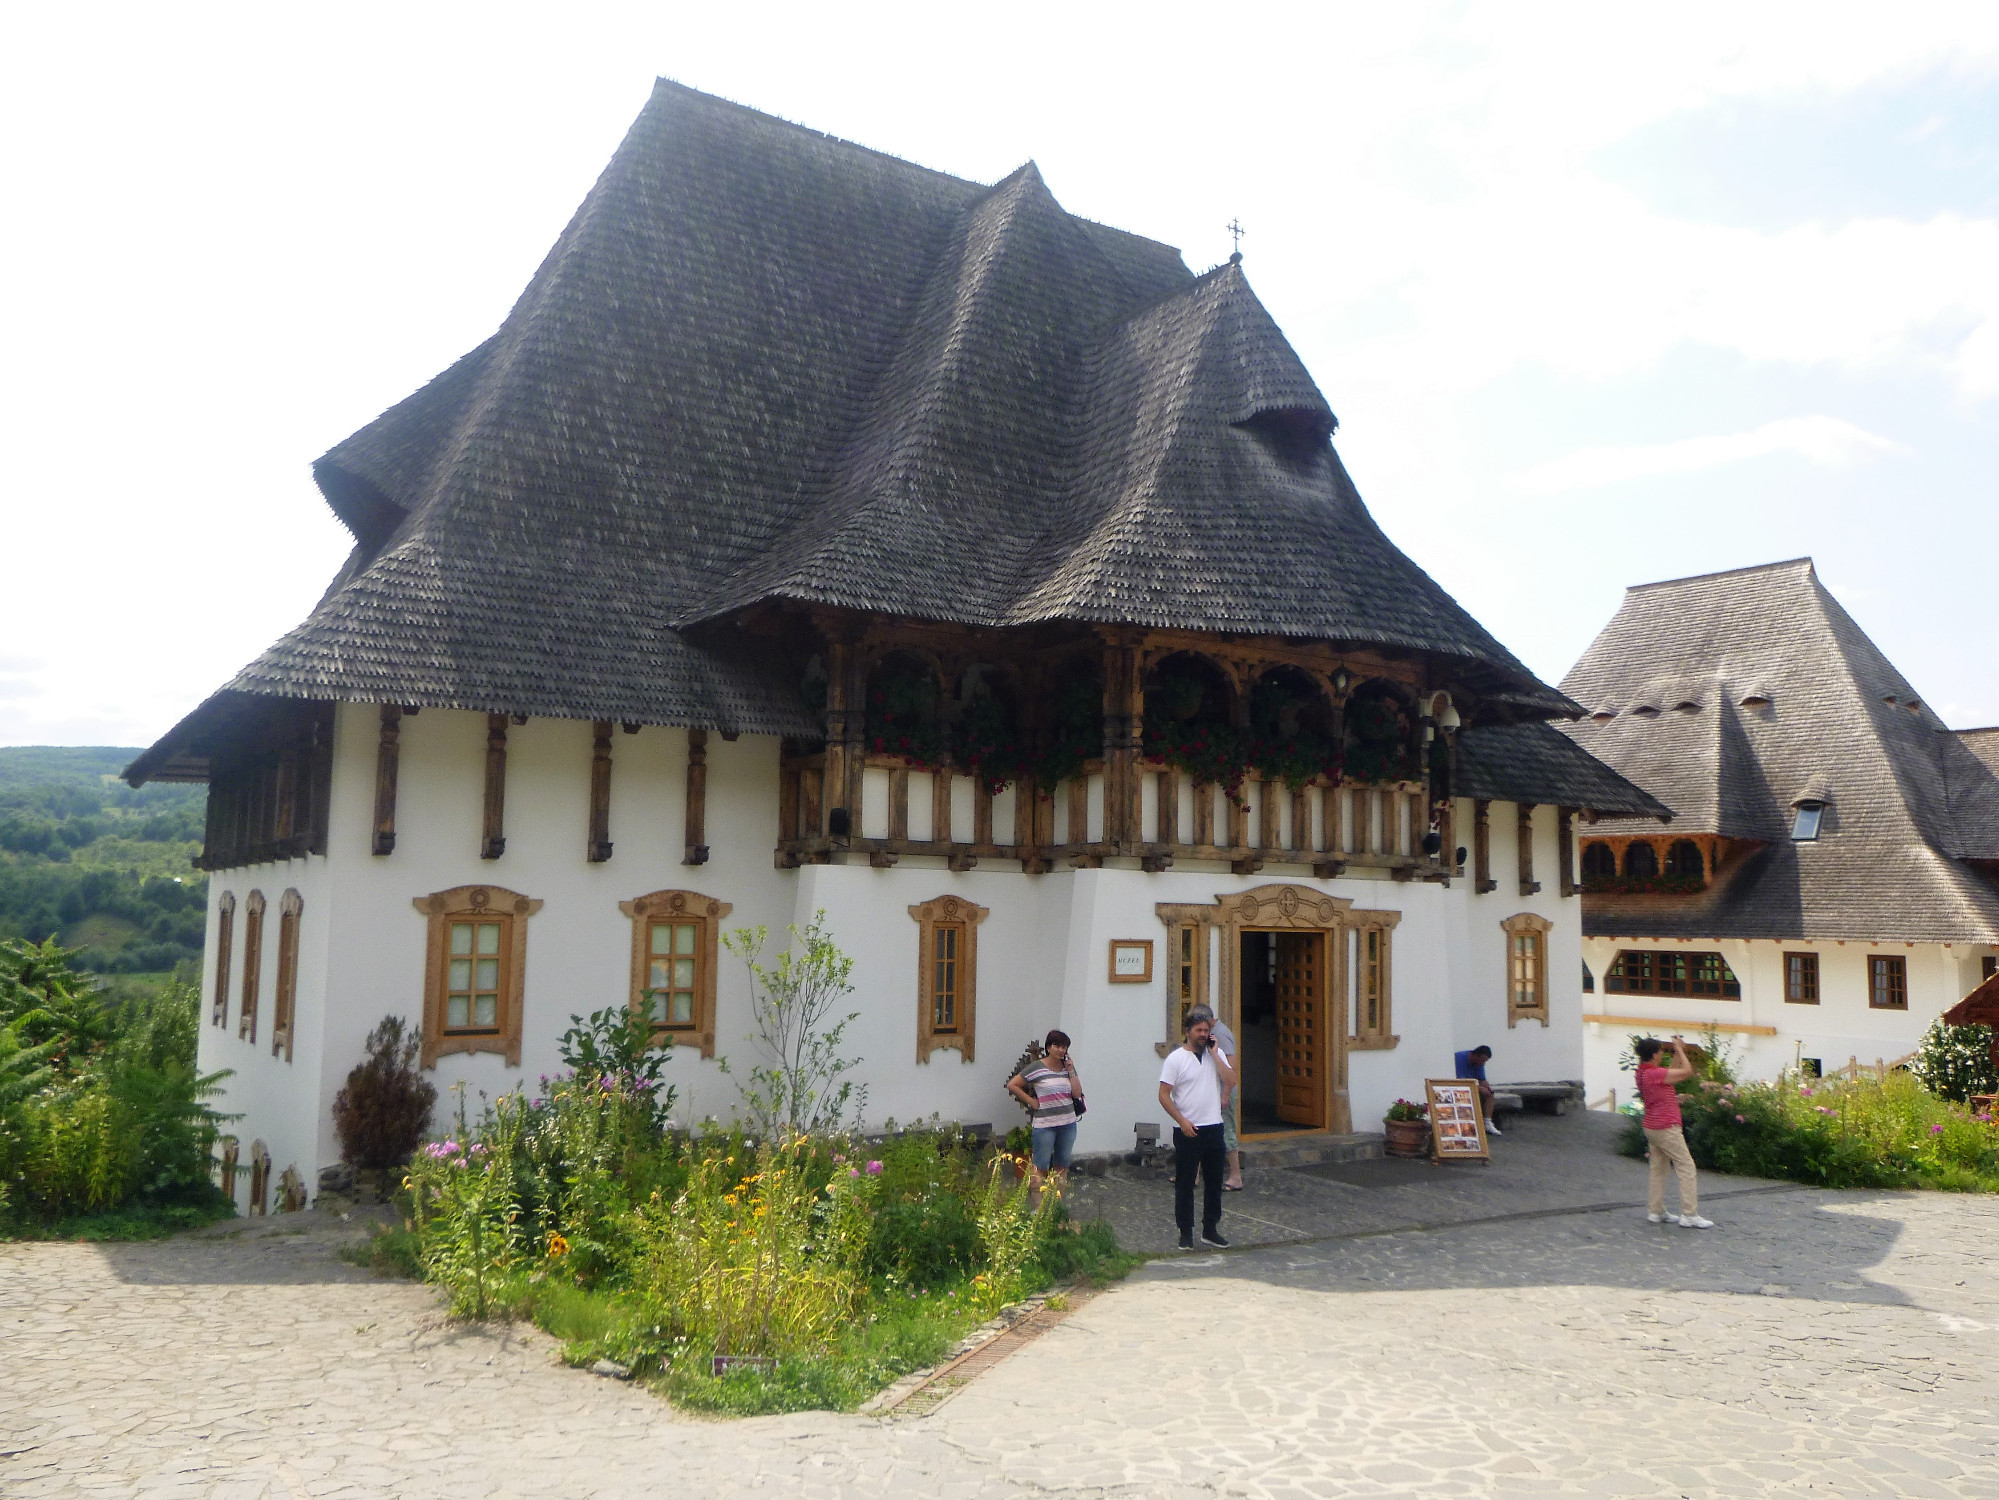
(687, 905)
(225, 936)
(927, 914)
(253, 965)
(474, 901)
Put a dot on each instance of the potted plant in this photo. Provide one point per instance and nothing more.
(1408, 1128)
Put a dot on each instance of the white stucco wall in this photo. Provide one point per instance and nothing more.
(1043, 951)
(1841, 1027)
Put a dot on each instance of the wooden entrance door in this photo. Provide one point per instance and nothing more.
(1302, 1055)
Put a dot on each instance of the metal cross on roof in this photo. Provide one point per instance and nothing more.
(1235, 233)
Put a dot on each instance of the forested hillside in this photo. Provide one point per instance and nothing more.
(87, 860)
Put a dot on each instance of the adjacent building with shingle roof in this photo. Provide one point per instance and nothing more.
(823, 533)
(1828, 877)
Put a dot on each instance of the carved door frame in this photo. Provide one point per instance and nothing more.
(1278, 907)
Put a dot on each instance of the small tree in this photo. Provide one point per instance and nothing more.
(384, 1110)
(799, 1088)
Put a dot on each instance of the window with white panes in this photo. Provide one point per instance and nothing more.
(673, 974)
(472, 986)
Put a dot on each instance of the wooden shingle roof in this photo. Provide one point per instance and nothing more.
(765, 364)
(1734, 696)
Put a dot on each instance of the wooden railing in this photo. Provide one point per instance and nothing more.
(918, 811)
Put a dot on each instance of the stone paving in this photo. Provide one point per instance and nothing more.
(1815, 1341)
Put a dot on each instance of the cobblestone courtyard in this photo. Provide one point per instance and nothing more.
(1816, 1342)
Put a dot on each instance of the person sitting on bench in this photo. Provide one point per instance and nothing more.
(1472, 1065)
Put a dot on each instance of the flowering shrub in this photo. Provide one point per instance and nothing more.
(1009, 1232)
(1407, 1109)
(1840, 1133)
(1956, 1061)
(768, 1262)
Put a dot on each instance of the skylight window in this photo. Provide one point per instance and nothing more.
(1805, 821)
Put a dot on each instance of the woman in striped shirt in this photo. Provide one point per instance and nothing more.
(1051, 1092)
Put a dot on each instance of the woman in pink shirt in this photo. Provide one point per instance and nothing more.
(1668, 1146)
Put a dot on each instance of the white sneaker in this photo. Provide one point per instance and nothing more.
(1492, 1128)
(1657, 1219)
(1695, 1221)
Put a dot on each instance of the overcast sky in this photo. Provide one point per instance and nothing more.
(1601, 294)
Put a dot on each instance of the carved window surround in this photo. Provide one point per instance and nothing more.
(675, 932)
(284, 1018)
(475, 907)
(253, 964)
(225, 933)
(1526, 968)
(947, 975)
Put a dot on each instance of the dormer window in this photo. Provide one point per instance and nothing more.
(1756, 700)
(1805, 821)
(1646, 711)
(1687, 707)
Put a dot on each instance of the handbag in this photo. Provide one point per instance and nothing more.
(1077, 1102)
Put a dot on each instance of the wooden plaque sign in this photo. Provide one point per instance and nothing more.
(1131, 960)
(1457, 1126)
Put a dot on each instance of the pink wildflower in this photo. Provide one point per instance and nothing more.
(874, 1169)
(1936, 1130)
(1742, 1119)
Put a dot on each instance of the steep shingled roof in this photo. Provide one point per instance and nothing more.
(1536, 762)
(762, 363)
(1828, 717)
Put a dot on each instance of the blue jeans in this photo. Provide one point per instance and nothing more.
(1053, 1145)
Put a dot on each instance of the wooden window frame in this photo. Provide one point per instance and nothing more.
(1682, 979)
(1187, 960)
(253, 965)
(480, 903)
(1533, 929)
(284, 998)
(225, 937)
(1379, 1035)
(1801, 979)
(678, 906)
(1895, 969)
(947, 911)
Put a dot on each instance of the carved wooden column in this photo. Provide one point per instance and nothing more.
(493, 838)
(1565, 851)
(846, 733)
(697, 799)
(387, 754)
(1124, 732)
(1528, 884)
(940, 806)
(1481, 845)
(599, 848)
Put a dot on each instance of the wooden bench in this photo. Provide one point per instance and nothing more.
(1548, 1098)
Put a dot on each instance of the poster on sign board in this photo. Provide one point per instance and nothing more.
(1457, 1124)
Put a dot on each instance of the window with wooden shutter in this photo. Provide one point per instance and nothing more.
(947, 975)
(285, 1001)
(676, 936)
(474, 970)
(1526, 968)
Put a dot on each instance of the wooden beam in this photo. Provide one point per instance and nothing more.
(1649, 1022)
(696, 852)
(1169, 807)
(599, 846)
(1204, 813)
(1482, 882)
(1079, 806)
(1525, 841)
(898, 803)
(492, 835)
(387, 755)
(1565, 851)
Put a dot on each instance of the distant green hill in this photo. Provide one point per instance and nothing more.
(96, 864)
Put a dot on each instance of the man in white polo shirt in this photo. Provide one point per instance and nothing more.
(1190, 1090)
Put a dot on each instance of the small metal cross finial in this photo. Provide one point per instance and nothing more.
(1235, 233)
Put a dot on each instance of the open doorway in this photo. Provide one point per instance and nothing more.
(1284, 1038)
